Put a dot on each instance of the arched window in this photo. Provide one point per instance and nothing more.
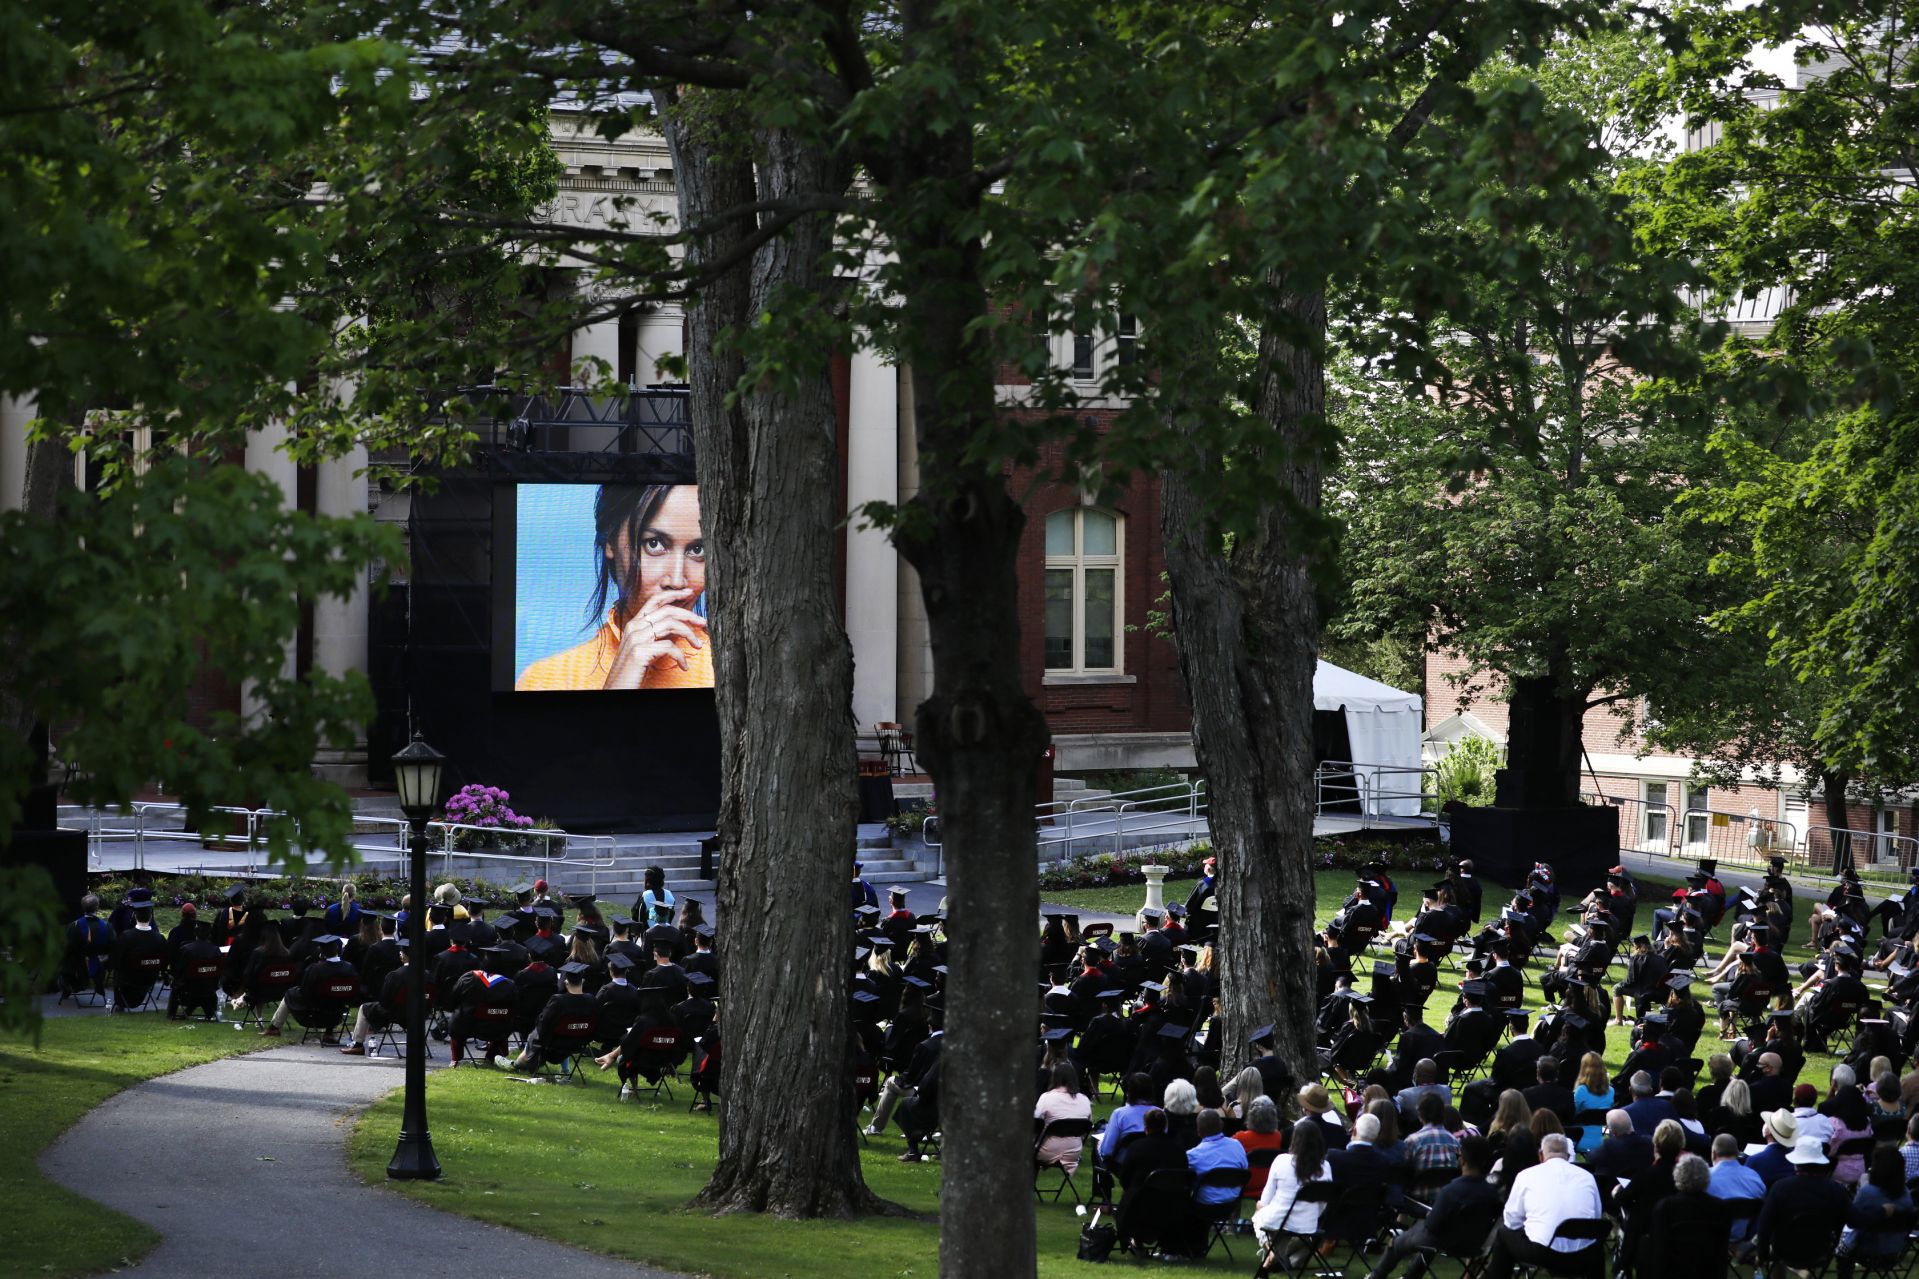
(1083, 598)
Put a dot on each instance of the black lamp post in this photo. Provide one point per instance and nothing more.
(416, 771)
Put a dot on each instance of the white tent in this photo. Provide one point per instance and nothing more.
(1383, 724)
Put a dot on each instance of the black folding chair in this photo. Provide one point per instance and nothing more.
(1899, 1264)
(1217, 1217)
(1078, 1128)
(1804, 1242)
(1281, 1242)
(1585, 1263)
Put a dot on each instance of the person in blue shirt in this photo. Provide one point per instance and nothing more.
(89, 941)
(1214, 1151)
(1781, 1131)
(1733, 1180)
(1124, 1121)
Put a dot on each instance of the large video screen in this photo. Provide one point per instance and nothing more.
(609, 588)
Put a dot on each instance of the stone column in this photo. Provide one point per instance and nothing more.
(661, 333)
(340, 624)
(14, 416)
(872, 565)
(265, 456)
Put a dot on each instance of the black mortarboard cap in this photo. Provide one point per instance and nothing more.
(1477, 989)
(460, 932)
(919, 982)
(867, 912)
(1781, 1015)
(1176, 910)
(235, 892)
(328, 939)
(1172, 1030)
(704, 930)
(581, 900)
(1384, 969)
(574, 969)
(1679, 981)
(1152, 986)
(1110, 994)
(402, 942)
(621, 921)
(1058, 1032)
(524, 886)
(1260, 1035)
(545, 912)
(1576, 1020)
(698, 980)
(865, 997)
(618, 961)
(1708, 865)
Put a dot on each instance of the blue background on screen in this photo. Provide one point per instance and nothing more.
(555, 571)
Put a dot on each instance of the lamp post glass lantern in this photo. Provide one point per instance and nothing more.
(416, 771)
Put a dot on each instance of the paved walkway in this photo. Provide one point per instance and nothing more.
(241, 1165)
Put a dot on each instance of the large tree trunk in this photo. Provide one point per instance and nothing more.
(978, 734)
(1545, 729)
(783, 675)
(1247, 626)
(1832, 788)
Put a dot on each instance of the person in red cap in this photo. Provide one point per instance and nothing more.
(1202, 907)
(183, 932)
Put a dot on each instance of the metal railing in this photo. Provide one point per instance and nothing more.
(243, 830)
(1733, 839)
(1108, 822)
(1350, 788)
(1830, 847)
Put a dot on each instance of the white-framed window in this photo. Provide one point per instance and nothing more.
(1115, 342)
(1655, 795)
(1084, 591)
(1698, 820)
(1885, 824)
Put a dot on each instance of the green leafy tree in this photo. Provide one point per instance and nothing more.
(1800, 194)
(1517, 500)
(213, 218)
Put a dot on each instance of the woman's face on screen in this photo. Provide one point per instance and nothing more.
(670, 555)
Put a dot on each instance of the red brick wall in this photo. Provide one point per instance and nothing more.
(1155, 702)
(1483, 697)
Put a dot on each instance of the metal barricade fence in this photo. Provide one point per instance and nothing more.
(1829, 848)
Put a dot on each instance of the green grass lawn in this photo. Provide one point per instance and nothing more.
(574, 1164)
(79, 1063)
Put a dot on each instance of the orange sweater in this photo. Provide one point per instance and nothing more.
(585, 666)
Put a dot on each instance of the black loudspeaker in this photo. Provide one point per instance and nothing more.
(1581, 843)
(63, 853)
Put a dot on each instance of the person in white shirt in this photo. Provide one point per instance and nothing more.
(1553, 1191)
(1280, 1208)
(1805, 1108)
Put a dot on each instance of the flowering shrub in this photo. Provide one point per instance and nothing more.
(486, 806)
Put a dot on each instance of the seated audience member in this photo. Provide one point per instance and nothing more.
(1851, 1118)
(1063, 1100)
(1181, 1104)
(89, 942)
(1214, 1151)
(1881, 1215)
(1389, 1143)
(1554, 1191)
(132, 960)
(1260, 1133)
(1461, 1216)
(1731, 1179)
(1549, 1094)
(1781, 1135)
(1425, 1080)
(1636, 1198)
(1909, 1149)
(1318, 1105)
(330, 968)
(1592, 1094)
(1735, 1114)
(1143, 1215)
(1811, 1200)
(1686, 1237)
(1647, 1107)
(388, 1007)
(197, 965)
(1512, 1138)
(1281, 1212)
(1623, 1154)
(1126, 1121)
(1431, 1148)
(571, 1004)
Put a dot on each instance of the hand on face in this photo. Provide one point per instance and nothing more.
(650, 637)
